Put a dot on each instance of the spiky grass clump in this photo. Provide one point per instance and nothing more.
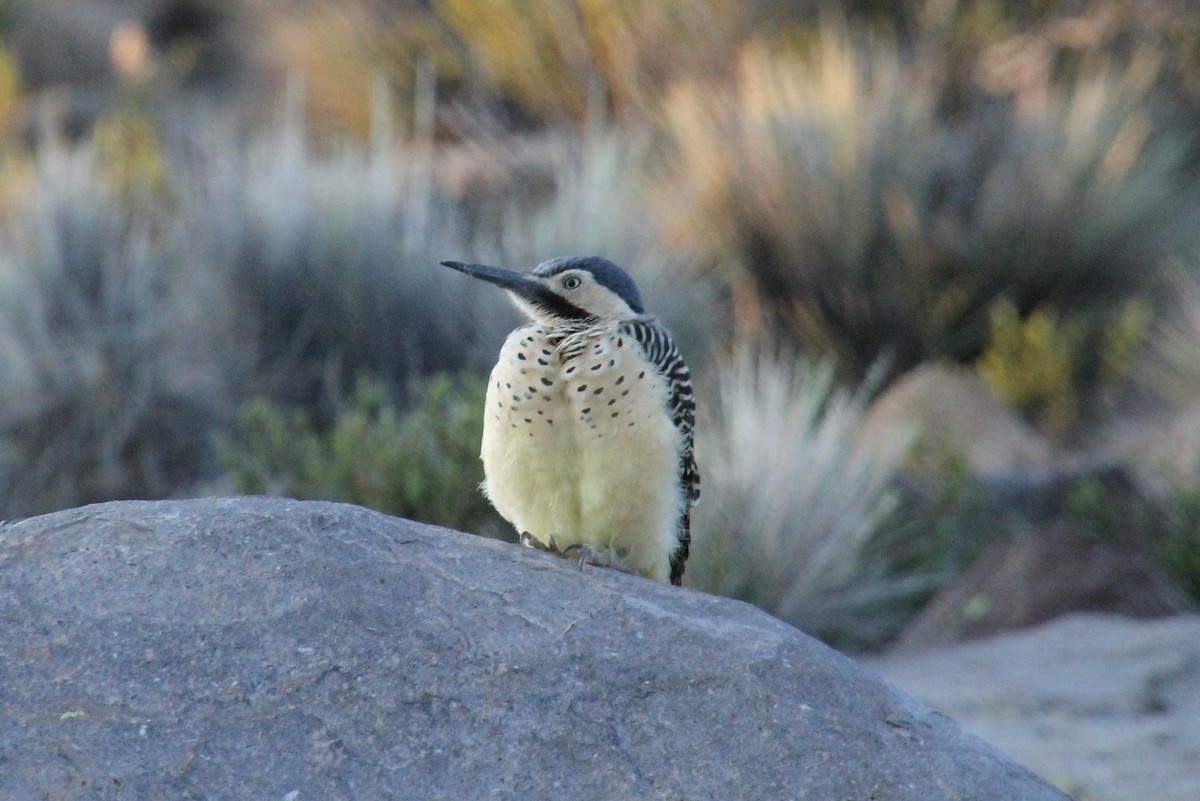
(864, 220)
(602, 204)
(334, 263)
(792, 499)
(1173, 364)
(117, 358)
(132, 331)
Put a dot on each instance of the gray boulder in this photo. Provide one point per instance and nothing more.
(272, 649)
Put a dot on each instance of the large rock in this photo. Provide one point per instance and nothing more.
(956, 416)
(269, 649)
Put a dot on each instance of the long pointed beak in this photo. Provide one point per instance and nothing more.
(506, 279)
(533, 297)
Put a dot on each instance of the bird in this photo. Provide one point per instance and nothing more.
(588, 425)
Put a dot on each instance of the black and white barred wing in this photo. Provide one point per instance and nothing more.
(660, 350)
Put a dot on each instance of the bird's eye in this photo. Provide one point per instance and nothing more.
(572, 282)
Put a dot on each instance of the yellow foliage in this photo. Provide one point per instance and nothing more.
(1032, 362)
(536, 52)
(129, 153)
(10, 86)
(550, 56)
(326, 49)
(1041, 364)
(1124, 339)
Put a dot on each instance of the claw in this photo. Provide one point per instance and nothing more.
(527, 540)
(591, 555)
(586, 553)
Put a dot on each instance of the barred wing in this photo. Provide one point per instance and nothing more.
(660, 350)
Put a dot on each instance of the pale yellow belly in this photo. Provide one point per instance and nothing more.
(583, 451)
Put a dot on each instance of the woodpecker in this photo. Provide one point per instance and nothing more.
(587, 435)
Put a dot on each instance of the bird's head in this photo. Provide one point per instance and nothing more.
(566, 288)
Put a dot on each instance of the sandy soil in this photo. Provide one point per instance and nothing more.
(1107, 708)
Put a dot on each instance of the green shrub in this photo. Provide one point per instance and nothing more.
(1165, 524)
(942, 520)
(422, 465)
(1123, 343)
(1179, 549)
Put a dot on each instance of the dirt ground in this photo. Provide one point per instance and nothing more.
(1105, 707)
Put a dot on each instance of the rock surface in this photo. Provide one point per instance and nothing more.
(269, 649)
(1107, 707)
(955, 413)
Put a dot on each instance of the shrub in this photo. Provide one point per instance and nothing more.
(517, 63)
(10, 82)
(1164, 522)
(333, 261)
(602, 203)
(130, 153)
(1172, 367)
(943, 518)
(1044, 366)
(116, 357)
(422, 465)
(832, 189)
(131, 330)
(1031, 363)
(1179, 548)
(791, 501)
(547, 57)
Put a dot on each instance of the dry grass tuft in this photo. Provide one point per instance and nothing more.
(792, 499)
(861, 218)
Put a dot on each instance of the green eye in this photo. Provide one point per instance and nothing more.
(572, 282)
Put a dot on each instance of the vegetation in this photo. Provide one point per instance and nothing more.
(192, 299)
(423, 465)
(1173, 362)
(792, 500)
(1179, 548)
(1045, 366)
(118, 358)
(864, 221)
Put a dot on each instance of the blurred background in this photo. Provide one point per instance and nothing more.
(935, 265)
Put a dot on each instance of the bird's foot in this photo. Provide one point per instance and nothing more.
(529, 541)
(590, 555)
(583, 553)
